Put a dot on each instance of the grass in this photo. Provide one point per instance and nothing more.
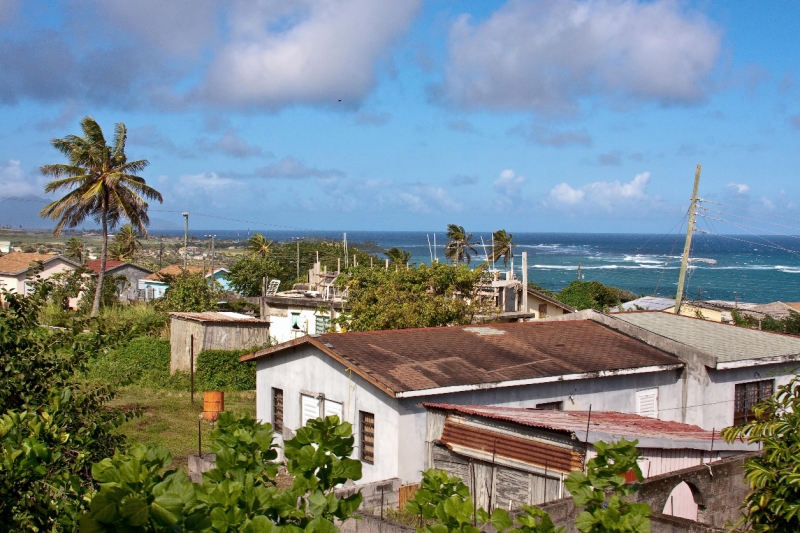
(170, 419)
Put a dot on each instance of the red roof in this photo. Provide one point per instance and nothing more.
(110, 265)
(628, 425)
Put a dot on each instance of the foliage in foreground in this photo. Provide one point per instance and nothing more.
(51, 428)
(774, 501)
(240, 494)
(593, 295)
(221, 370)
(444, 503)
(424, 296)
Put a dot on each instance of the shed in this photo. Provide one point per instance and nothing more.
(212, 331)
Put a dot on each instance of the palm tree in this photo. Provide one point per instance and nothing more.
(102, 185)
(459, 247)
(398, 256)
(74, 249)
(127, 242)
(259, 245)
(502, 247)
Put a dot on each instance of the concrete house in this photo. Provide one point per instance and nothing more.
(133, 273)
(16, 269)
(512, 456)
(378, 380)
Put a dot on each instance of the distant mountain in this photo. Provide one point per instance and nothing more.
(23, 212)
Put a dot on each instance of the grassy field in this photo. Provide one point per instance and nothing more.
(170, 419)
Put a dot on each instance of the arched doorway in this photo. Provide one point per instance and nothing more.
(681, 502)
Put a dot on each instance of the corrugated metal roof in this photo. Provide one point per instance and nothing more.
(725, 342)
(647, 303)
(213, 316)
(110, 265)
(629, 426)
(399, 361)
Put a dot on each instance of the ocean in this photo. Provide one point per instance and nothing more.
(750, 268)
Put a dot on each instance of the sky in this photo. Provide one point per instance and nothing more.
(533, 116)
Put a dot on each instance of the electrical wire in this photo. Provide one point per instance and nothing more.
(750, 210)
(674, 244)
(750, 242)
(748, 218)
(746, 226)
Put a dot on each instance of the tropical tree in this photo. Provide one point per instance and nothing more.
(258, 245)
(398, 256)
(502, 247)
(103, 186)
(459, 247)
(74, 249)
(127, 242)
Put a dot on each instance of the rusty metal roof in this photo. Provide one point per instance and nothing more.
(602, 423)
(219, 317)
(415, 362)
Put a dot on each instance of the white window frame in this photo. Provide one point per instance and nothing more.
(640, 395)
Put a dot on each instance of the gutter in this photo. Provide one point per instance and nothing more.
(745, 363)
(536, 381)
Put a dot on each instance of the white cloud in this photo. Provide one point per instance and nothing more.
(209, 183)
(13, 181)
(547, 55)
(426, 199)
(315, 52)
(737, 189)
(231, 144)
(291, 168)
(604, 195)
(509, 183)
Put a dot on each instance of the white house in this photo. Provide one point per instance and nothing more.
(378, 380)
(16, 269)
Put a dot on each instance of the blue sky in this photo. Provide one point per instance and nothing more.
(530, 116)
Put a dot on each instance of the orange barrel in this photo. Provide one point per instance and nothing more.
(213, 404)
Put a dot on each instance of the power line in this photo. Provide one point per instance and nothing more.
(751, 219)
(746, 226)
(234, 220)
(749, 242)
(750, 210)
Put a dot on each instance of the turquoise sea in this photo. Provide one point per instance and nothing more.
(750, 268)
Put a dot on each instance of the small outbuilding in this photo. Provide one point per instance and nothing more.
(212, 331)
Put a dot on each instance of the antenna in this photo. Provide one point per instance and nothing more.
(430, 250)
(346, 260)
(688, 246)
(435, 257)
(484, 249)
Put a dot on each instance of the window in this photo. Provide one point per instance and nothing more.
(746, 396)
(295, 320)
(309, 408)
(367, 423)
(323, 324)
(542, 310)
(333, 408)
(552, 406)
(277, 410)
(647, 403)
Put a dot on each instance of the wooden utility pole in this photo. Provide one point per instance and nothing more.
(688, 246)
(185, 238)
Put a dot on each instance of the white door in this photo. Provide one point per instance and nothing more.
(309, 408)
(334, 408)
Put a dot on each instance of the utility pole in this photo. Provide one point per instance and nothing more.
(524, 282)
(688, 246)
(160, 251)
(185, 238)
(212, 256)
(297, 240)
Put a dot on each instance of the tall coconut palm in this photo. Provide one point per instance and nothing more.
(398, 256)
(459, 247)
(258, 245)
(502, 247)
(74, 249)
(102, 185)
(127, 242)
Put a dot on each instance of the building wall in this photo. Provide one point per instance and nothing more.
(17, 283)
(180, 335)
(534, 303)
(211, 336)
(308, 370)
(133, 275)
(280, 319)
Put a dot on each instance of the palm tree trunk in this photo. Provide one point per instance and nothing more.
(103, 252)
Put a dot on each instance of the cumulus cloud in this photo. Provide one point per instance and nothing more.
(545, 56)
(291, 168)
(14, 182)
(603, 195)
(317, 52)
(424, 198)
(373, 119)
(737, 189)
(230, 144)
(209, 183)
(509, 183)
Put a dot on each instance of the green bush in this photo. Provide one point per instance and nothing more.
(143, 361)
(221, 370)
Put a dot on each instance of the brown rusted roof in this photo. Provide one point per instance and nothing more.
(464, 357)
(110, 265)
(18, 262)
(627, 425)
(219, 317)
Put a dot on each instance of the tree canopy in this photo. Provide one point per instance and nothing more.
(460, 246)
(593, 295)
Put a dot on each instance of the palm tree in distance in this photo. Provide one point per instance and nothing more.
(503, 247)
(398, 256)
(459, 247)
(74, 249)
(126, 241)
(258, 245)
(102, 185)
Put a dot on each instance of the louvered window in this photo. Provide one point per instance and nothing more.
(309, 408)
(333, 408)
(277, 410)
(647, 403)
(367, 437)
(323, 323)
(747, 395)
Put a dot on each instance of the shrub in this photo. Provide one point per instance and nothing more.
(221, 370)
(143, 361)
